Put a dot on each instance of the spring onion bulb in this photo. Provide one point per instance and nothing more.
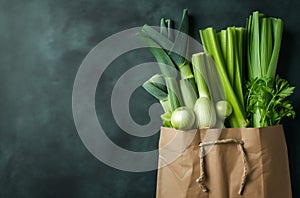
(205, 113)
(183, 118)
(223, 109)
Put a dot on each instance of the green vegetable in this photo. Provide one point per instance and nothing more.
(276, 107)
(163, 40)
(170, 31)
(166, 28)
(163, 27)
(183, 118)
(180, 46)
(250, 96)
(223, 109)
(167, 69)
(199, 66)
(189, 94)
(203, 108)
(174, 93)
(156, 87)
(232, 46)
(166, 119)
(211, 45)
(265, 104)
(205, 113)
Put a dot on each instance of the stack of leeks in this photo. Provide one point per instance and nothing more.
(234, 79)
(189, 103)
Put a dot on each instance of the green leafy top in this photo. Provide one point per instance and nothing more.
(272, 112)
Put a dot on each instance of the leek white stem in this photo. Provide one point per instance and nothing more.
(205, 113)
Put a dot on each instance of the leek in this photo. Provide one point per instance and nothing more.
(167, 69)
(163, 27)
(205, 113)
(199, 63)
(170, 31)
(181, 46)
(189, 94)
(203, 108)
(157, 88)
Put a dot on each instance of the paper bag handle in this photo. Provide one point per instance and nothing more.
(240, 143)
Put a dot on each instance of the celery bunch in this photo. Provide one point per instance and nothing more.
(258, 98)
(227, 50)
(266, 94)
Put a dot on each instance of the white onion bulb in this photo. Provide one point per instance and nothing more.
(205, 113)
(223, 108)
(183, 118)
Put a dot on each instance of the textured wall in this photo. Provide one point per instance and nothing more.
(42, 44)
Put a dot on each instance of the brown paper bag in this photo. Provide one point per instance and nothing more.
(233, 162)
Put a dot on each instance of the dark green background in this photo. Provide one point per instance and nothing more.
(42, 44)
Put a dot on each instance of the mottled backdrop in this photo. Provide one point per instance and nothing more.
(42, 44)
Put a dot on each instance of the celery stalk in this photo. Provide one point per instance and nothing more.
(230, 56)
(264, 41)
(278, 29)
(212, 47)
(223, 41)
(239, 64)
